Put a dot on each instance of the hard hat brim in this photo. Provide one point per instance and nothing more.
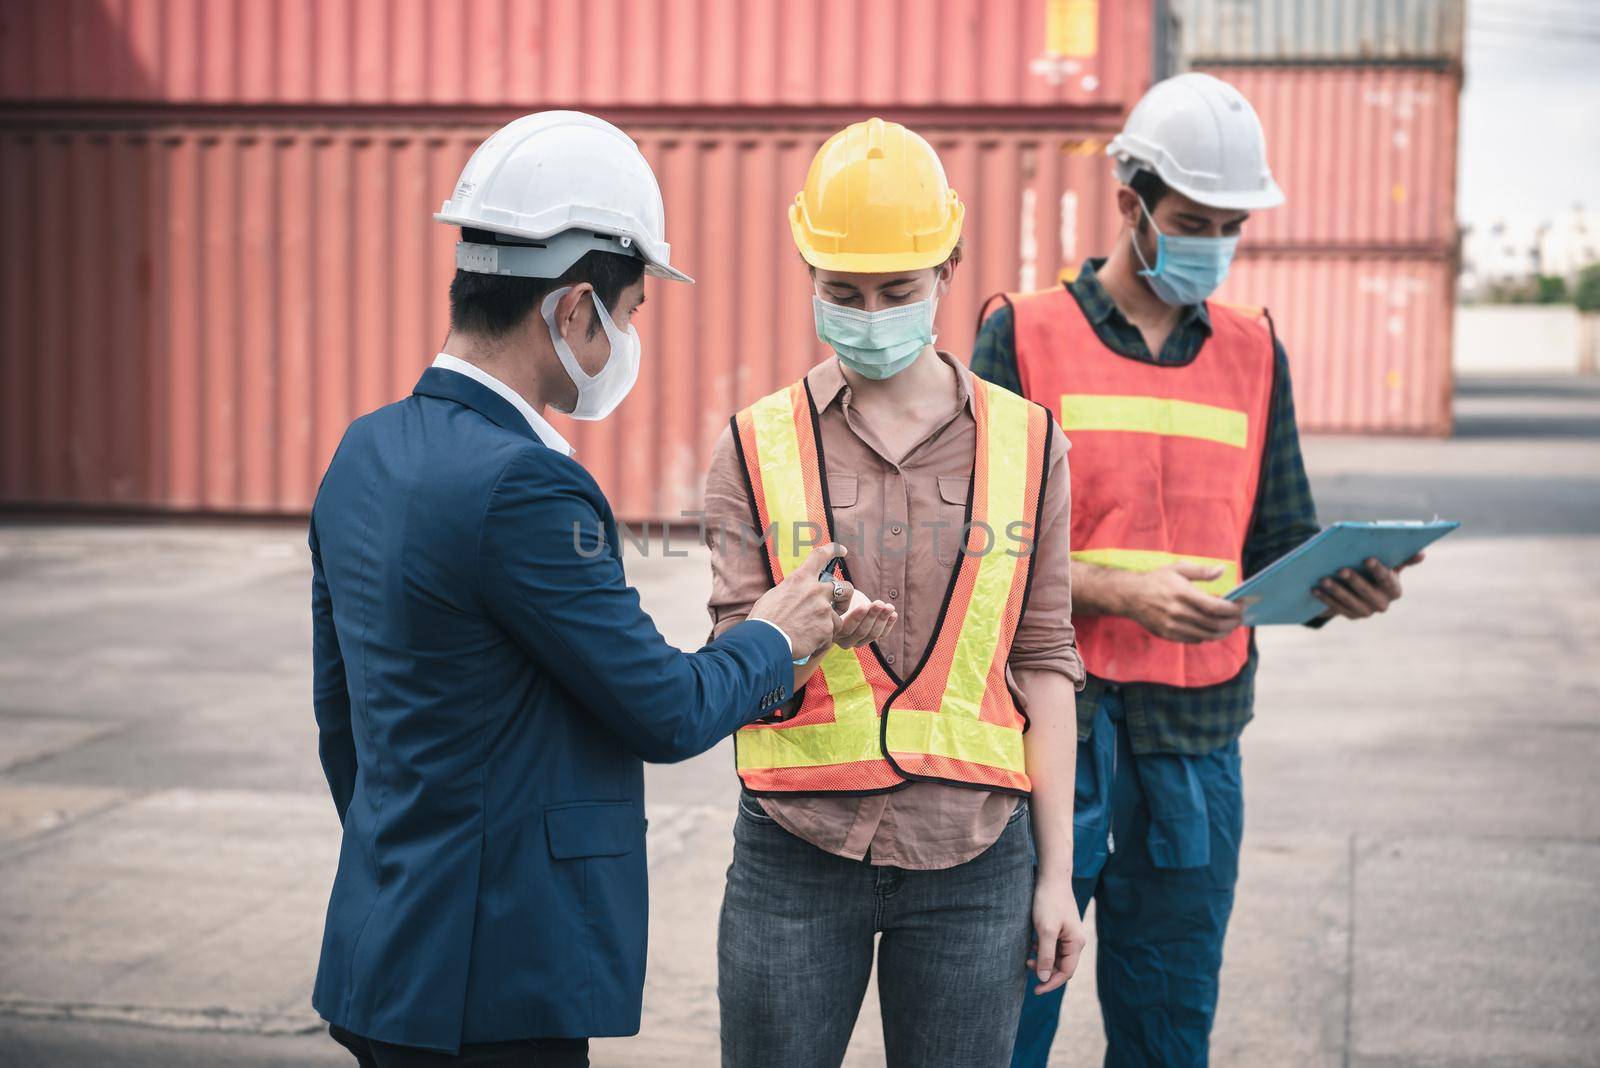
(1269, 196)
(644, 252)
(874, 263)
(662, 270)
(1257, 200)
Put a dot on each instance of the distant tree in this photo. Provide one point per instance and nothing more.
(1512, 291)
(1587, 293)
(1550, 289)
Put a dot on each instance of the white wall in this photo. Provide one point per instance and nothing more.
(1523, 339)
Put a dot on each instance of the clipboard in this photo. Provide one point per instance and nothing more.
(1281, 592)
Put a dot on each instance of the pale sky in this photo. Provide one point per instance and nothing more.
(1530, 109)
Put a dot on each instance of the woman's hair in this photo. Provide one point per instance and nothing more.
(955, 253)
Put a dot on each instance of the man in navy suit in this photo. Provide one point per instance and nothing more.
(486, 682)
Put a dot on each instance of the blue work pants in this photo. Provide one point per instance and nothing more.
(1156, 846)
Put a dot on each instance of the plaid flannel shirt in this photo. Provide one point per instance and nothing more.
(1172, 719)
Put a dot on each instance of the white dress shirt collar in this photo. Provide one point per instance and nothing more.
(543, 429)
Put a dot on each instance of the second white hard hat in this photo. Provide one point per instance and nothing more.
(1201, 137)
(567, 181)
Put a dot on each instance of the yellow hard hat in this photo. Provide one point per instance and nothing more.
(876, 200)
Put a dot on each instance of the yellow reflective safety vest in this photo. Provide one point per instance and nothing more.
(860, 727)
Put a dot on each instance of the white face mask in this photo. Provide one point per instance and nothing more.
(598, 395)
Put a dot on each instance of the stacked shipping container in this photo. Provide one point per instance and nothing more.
(1084, 56)
(215, 215)
(192, 315)
(1359, 102)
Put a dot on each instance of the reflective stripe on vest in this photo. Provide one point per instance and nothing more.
(1165, 464)
(860, 727)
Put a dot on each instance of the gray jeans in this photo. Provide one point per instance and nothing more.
(794, 951)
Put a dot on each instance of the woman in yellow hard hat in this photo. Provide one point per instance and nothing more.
(892, 795)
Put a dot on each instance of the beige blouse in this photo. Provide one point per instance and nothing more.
(900, 519)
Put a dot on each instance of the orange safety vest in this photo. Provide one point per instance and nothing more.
(860, 727)
(1165, 464)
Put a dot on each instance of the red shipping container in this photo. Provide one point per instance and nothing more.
(528, 54)
(1366, 155)
(191, 315)
(1368, 335)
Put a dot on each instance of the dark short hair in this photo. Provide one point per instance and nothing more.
(1149, 186)
(493, 305)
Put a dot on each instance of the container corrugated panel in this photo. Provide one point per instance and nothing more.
(267, 284)
(1368, 336)
(191, 317)
(1323, 30)
(1366, 156)
(582, 53)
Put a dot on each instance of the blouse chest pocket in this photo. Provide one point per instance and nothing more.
(841, 490)
(949, 535)
(843, 498)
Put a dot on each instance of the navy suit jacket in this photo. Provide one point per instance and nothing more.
(486, 688)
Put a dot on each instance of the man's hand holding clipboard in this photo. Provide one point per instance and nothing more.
(1350, 570)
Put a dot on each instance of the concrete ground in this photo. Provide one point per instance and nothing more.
(1421, 871)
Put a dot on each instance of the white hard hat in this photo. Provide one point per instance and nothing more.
(1201, 137)
(569, 182)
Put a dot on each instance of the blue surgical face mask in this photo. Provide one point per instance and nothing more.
(875, 344)
(1188, 269)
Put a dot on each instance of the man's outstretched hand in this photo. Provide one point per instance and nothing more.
(806, 609)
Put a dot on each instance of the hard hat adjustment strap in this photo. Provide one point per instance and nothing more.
(549, 258)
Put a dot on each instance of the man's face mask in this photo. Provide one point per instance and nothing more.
(877, 344)
(598, 394)
(1188, 269)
